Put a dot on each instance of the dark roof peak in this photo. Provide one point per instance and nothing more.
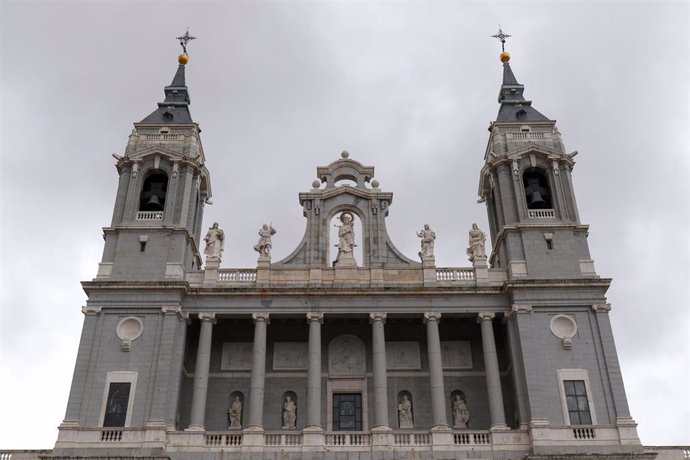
(514, 107)
(175, 107)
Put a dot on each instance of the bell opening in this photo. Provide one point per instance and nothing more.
(153, 192)
(537, 191)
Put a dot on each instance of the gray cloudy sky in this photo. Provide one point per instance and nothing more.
(282, 87)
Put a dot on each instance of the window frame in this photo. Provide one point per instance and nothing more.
(119, 377)
(575, 374)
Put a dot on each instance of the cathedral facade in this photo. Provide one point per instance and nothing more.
(371, 355)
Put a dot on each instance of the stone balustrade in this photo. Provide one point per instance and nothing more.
(149, 215)
(472, 438)
(541, 213)
(237, 275)
(164, 137)
(330, 277)
(344, 439)
(455, 274)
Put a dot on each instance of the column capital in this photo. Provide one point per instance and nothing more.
(261, 316)
(485, 316)
(432, 316)
(206, 316)
(601, 307)
(89, 310)
(314, 316)
(515, 309)
(377, 316)
(176, 310)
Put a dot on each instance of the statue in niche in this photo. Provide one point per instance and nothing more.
(346, 243)
(263, 247)
(477, 244)
(289, 413)
(215, 240)
(405, 413)
(428, 236)
(235, 413)
(461, 414)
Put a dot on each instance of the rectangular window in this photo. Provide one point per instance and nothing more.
(347, 412)
(118, 399)
(576, 399)
(116, 405)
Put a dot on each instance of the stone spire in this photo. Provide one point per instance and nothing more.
(514, 107)
(175, 108)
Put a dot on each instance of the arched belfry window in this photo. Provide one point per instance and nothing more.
(537, 190)
(153, 191)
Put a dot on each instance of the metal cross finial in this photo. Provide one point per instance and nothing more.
(184, 39)
(501, 36)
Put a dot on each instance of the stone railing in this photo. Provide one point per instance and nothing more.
(223, 439)
(163, 137)
(111, 435)
(541, 213)
(342, 439)
(584, 433)
(235, 275)
(149, 215)
(412, 439)
(283, 439)
(528, 135)
(478, 438)
(455, 274)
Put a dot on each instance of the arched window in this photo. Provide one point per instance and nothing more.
(153, 191)
(537, 191)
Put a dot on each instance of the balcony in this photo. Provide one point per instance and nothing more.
(541, 213)
(149, 215)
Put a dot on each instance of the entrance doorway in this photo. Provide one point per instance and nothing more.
(347, 412)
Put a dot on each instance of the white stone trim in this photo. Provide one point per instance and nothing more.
(119, 377)
(574, 374)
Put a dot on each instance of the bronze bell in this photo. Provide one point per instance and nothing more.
(154, 203)
(536, 200)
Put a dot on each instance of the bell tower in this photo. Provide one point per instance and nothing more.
(163, 185)
(527, 186)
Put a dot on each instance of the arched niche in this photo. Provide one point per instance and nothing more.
(154, 191)
(405, 409)
(460, 414)
(337, 228)
(289, 411)
(235, 410)
(346, 355)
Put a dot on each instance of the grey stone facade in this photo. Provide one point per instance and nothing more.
(502, 335)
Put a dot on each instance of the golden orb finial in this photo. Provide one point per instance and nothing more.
(183, 59)
(504, 56)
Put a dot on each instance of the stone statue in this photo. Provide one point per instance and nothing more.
(428, 236)
(477, 244)
(235, 413)
(215, 240)
(460, 413)
(346, 243)
(289, 413)
(405, 413)
(263, 247)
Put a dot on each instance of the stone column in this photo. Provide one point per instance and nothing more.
(438, 392)
(493, 377)
(256, 387)
(518, 369)
(314, 372)
(203, 360)
(377, 321)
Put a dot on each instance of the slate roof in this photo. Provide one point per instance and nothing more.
(514, 107)
(175, 108)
